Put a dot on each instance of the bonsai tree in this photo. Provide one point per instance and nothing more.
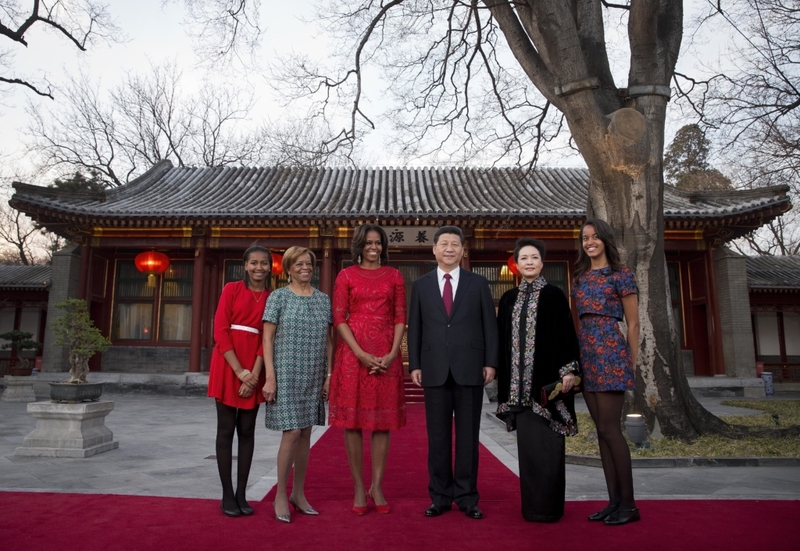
(19, 341)
(76, 330)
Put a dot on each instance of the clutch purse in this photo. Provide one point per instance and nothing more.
(555, 391)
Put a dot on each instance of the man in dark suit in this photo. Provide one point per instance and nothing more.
(452, 354)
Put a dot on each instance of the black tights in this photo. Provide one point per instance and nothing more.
(243, 422)
(606, 411)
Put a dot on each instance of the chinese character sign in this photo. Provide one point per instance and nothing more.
(410, 236)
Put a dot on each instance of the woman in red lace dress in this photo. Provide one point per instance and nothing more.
(366, 392)
(237, 371)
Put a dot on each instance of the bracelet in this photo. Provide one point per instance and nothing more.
(327, 375)
(242, 374)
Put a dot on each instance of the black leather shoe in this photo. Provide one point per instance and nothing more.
(436, 510)
(245, 508)
(473, 512)
(235, 512)
(607, 510)
(622, 516)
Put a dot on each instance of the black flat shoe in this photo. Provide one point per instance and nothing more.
(235, 512)
(623, 516)
(607, 510)
(436, 510)
(245, 508)
(473, 512)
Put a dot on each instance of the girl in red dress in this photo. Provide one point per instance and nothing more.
(236, 371)
(366, 392)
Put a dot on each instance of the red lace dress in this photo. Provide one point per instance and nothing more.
(371, 302)
(238, 306)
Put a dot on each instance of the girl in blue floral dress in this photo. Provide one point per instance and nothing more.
(605, 292)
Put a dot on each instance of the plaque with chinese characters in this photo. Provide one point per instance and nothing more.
(410, 236)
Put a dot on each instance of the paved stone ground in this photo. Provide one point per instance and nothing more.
(166, 442)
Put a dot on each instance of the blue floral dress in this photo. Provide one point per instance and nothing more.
(605, 355)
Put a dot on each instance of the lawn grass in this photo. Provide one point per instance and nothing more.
(788, 412)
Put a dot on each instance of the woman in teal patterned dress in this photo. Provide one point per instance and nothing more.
(297, 359)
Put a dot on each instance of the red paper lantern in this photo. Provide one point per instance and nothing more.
(512, 265)
(277, 264)
(151, 263)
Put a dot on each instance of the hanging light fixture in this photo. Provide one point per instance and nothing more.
(277, 264)
(512, 265)
(152, 263)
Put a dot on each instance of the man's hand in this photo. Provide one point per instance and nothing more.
(416, 377)
(488, 375)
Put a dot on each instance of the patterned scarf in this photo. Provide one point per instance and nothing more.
(524, 315)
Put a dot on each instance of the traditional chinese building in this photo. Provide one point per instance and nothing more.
(774, 283)
(203, 219)
(23, 306)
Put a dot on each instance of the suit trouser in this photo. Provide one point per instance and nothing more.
(448, 484)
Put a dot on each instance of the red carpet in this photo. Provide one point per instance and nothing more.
(33, 521)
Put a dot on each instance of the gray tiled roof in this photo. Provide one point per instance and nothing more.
(773, 272)
(167, 192)
(25, 277)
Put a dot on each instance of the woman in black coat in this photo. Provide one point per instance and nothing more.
(538, 347)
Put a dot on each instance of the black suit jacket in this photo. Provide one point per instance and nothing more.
(463, 343)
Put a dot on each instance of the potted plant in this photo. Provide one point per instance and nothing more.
(19, 341)
(76, 330)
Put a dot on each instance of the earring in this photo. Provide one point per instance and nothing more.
(289, 279)
(358, 260)
(379, 261)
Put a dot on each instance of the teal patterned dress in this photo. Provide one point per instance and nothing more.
(300, 358)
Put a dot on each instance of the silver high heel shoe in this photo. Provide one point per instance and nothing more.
(310, 511)
(281, 518)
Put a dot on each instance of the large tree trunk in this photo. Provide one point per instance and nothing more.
(626, 189)
(561, 47)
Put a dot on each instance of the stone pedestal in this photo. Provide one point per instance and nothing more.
(18, 389)
(68, 430)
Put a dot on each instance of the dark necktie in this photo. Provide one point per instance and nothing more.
(447, 295)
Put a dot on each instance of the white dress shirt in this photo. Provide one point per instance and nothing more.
(453, 280)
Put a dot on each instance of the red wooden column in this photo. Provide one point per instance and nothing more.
(213, 277)
(326, 273)
(717, 357)
(198, 284)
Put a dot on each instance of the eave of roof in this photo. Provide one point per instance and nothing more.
(773, 273)
(166, 196)
(27, 278)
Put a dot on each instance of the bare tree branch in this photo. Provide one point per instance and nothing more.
(80, 22)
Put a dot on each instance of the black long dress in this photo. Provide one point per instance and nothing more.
(540, 430)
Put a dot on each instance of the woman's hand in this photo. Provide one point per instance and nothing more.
(326, 387)
(249, 379)
(385, 362)
(371, 362)
(246, 391)
(270, 390)
(567, 382)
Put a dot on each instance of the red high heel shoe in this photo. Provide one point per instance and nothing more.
(360, 510)
(382, 509)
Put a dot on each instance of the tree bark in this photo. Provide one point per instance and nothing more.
(621, 139)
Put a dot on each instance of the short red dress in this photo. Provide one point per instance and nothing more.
(238, 306)
(371, 302)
